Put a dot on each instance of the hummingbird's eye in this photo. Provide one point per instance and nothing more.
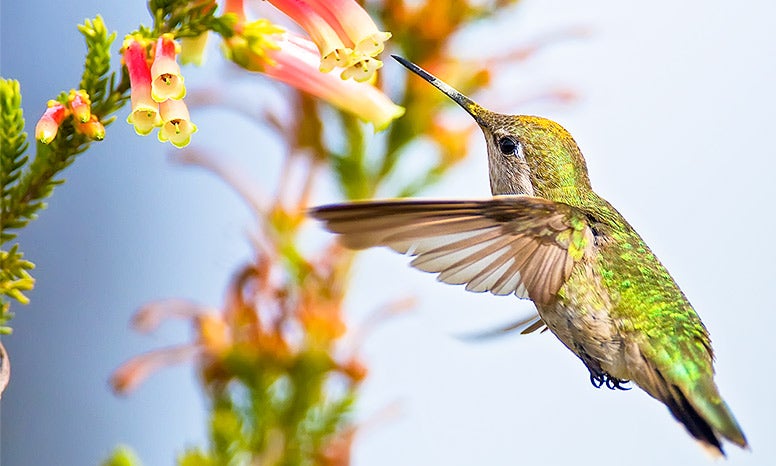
(508, 145)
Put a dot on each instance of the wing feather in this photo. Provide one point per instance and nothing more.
(505, 245)
(487, 278)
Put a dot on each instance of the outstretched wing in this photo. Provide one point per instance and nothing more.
(508, 244)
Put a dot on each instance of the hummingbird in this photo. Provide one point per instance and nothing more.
(545, 235)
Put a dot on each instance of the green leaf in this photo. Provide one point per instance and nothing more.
(96, 79)
(13, 144)
(14, 281)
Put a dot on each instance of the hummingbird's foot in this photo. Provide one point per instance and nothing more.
(602, 378)
(612, 384)
(598, 380)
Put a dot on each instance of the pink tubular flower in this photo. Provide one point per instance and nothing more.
(356, 24)
(166, 79)
(296, 65)
(294, 60)
(343, 31)
(80, 105)
(177, 126)
(47, 127)
(145, 111)
(334, 51)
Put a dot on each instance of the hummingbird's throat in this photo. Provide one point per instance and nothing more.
(512, 179)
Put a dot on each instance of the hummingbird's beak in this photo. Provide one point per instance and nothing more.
(469, 105)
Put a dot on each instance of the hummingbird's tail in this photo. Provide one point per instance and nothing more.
(701, 410)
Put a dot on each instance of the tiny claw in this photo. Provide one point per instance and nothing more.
(597, 380)
(600, 379)
(620, 385)
(616, 384)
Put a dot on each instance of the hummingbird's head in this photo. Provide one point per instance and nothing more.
(526, 154)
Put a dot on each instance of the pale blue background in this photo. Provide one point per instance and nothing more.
(676, 121)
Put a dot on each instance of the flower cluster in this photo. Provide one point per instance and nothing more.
(266, 322)
(157, 90)
(309, 65)
(344, 33)
(269, 354)
(78, 106)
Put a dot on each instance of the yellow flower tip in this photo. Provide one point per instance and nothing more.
(363, 70)
(167, 86)
(92, 129)
(373, 44)
(178, 132)
(99, 132)
(396, 111)
(95, 130)
(338, 58)
(46, 131)
(144, 118)
(176, 124)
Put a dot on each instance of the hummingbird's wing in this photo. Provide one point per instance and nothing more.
(526, 326)
(508, 244)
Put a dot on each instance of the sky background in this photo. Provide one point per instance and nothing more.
(675, 120)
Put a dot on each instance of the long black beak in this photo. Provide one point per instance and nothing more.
(468, 104)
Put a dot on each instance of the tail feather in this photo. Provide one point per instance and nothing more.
(715, 411)
(696, 425)
(702, 412)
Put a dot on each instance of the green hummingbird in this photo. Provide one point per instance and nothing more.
(548, 237)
